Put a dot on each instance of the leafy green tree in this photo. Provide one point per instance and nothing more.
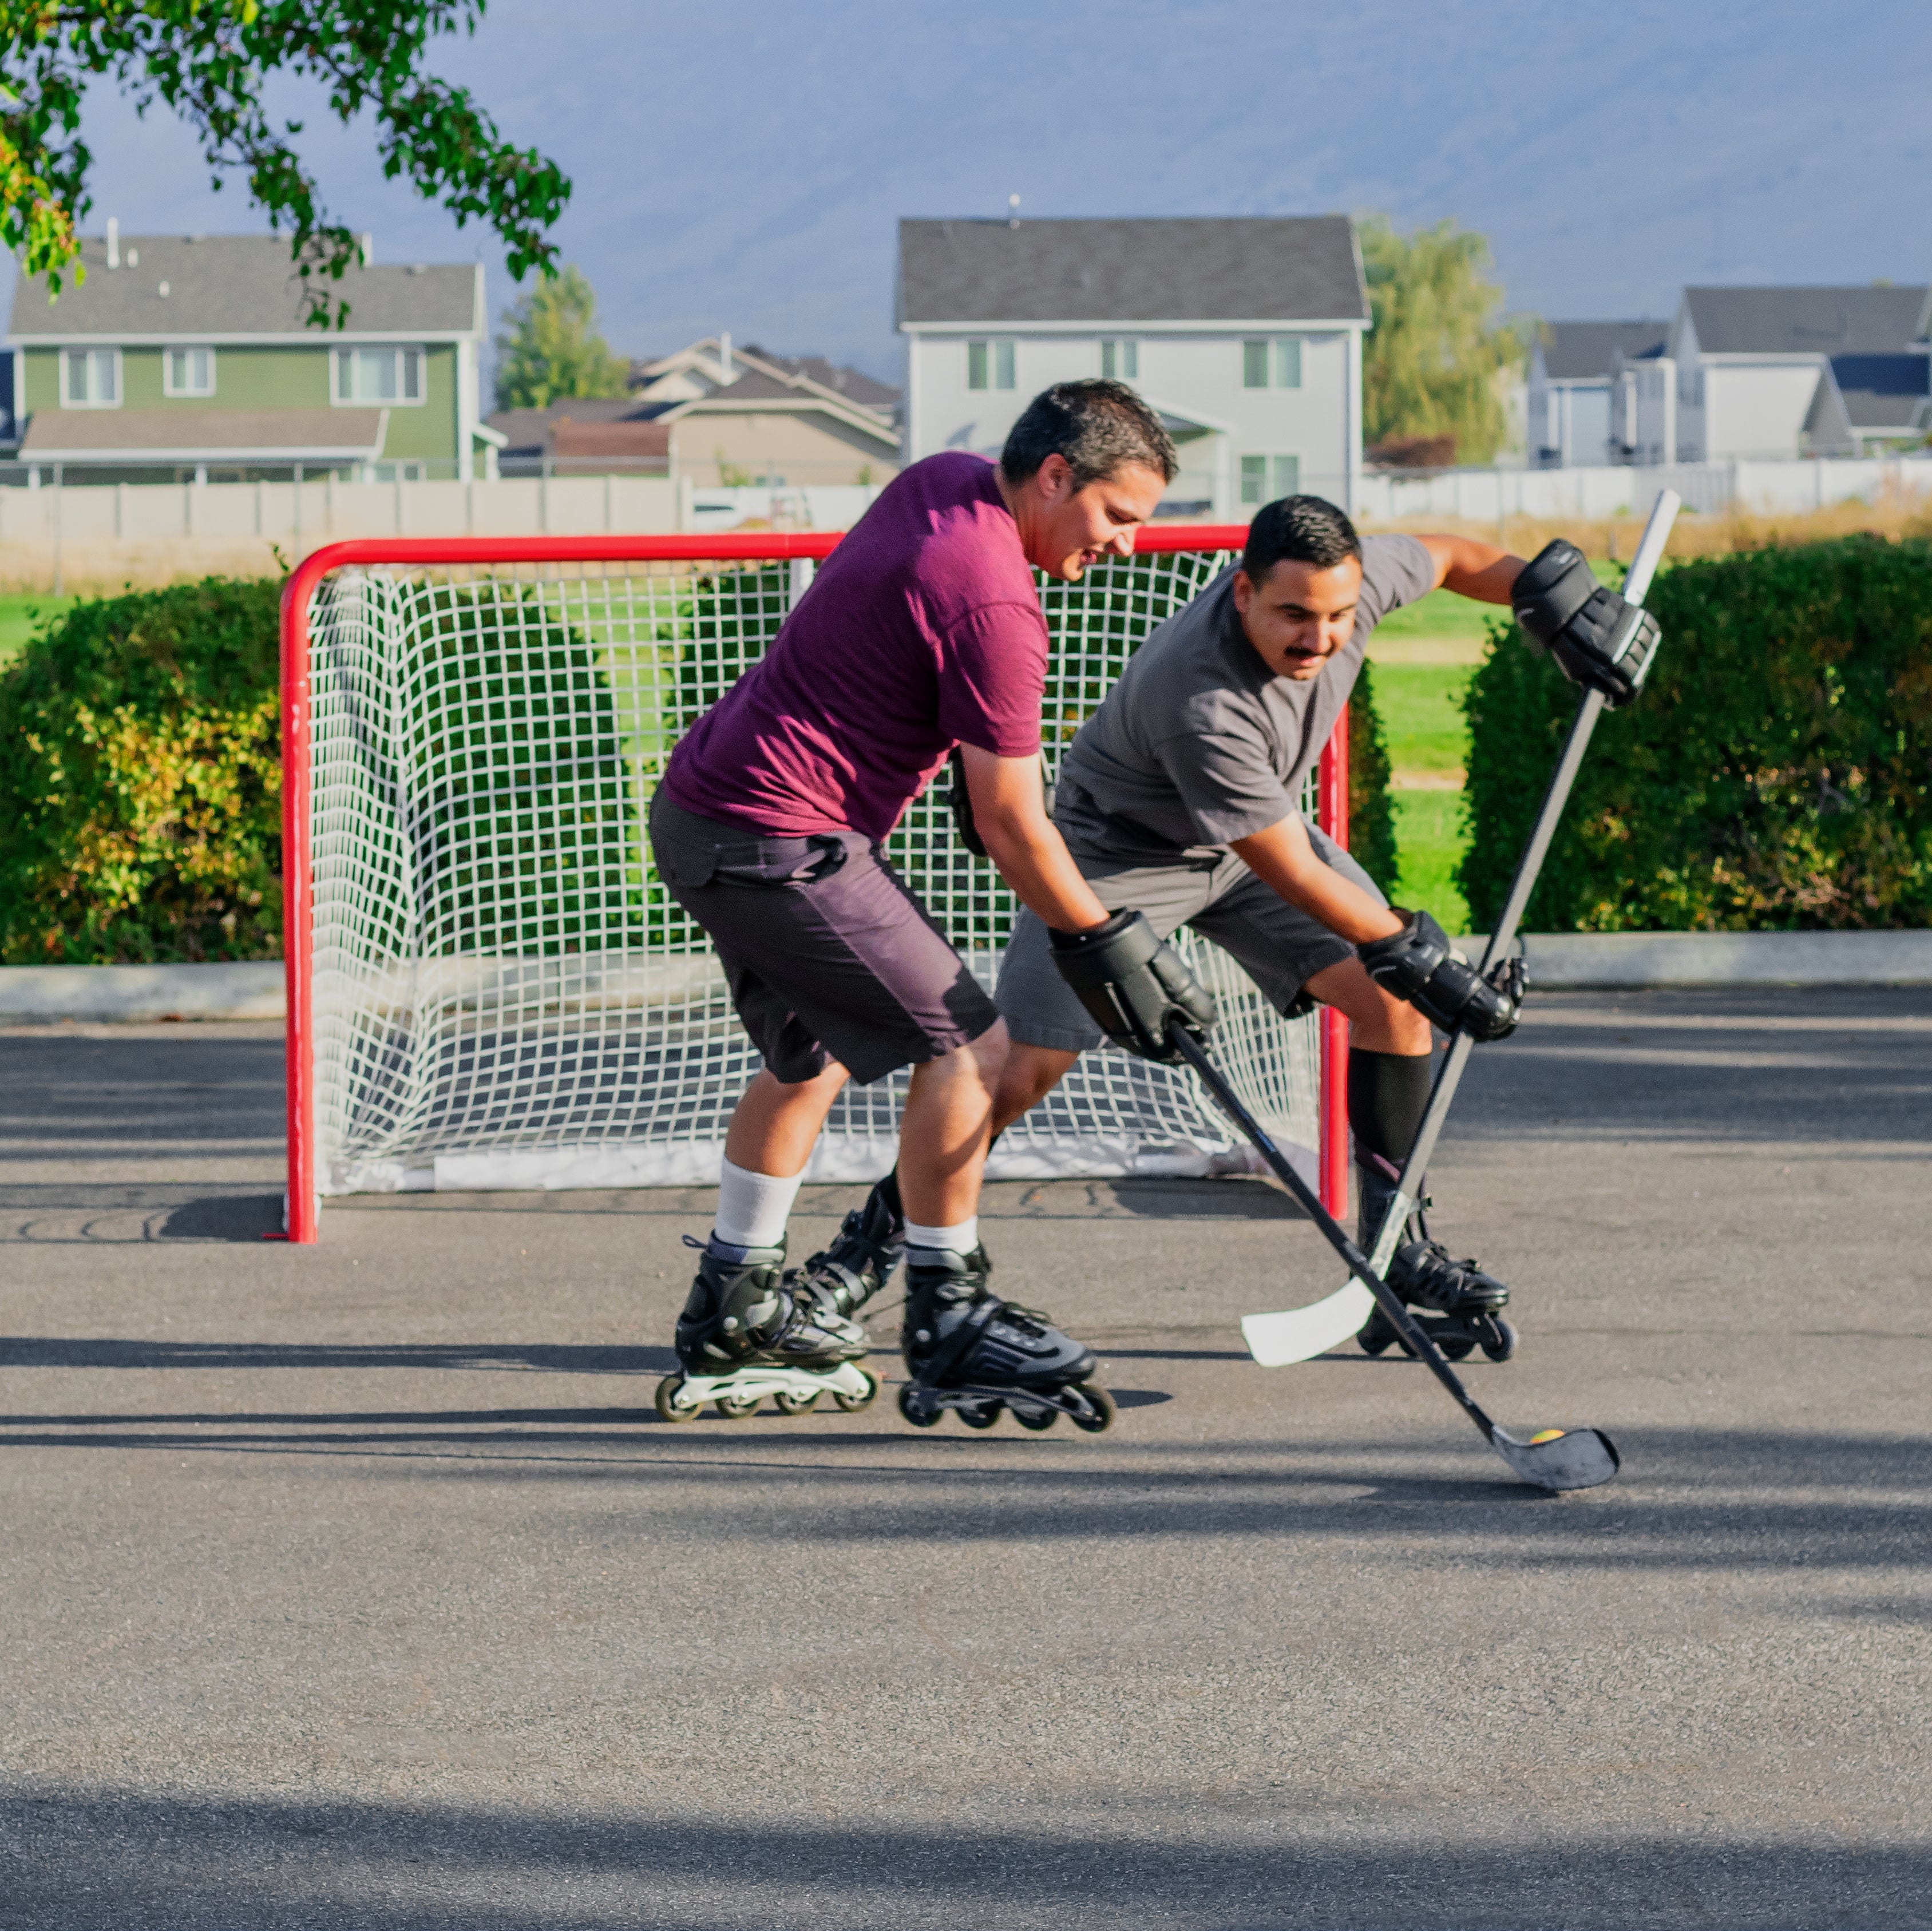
(209, 61)
(1430, 364)
(551, 351)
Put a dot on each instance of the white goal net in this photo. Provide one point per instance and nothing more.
(503, 994)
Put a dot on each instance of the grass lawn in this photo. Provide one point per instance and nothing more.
(21, 616)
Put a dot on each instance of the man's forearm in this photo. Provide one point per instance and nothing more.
(1280, 857)
(1033, 859)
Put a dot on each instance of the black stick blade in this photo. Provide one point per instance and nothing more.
(1559, 1459)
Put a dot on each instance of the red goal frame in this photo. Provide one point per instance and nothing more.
(304, 1213)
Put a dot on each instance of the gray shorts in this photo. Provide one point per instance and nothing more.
(828, 955)
(1279, 946)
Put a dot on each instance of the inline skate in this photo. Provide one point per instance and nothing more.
(744, 1334)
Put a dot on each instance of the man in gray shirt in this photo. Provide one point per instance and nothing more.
(1180, 798)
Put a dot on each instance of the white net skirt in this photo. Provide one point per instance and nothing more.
(504, 995)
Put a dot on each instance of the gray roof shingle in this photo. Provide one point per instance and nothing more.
(182, 433)
(237, 285)
(1577, 351)
(1862, 320)
(1881, 391)
(1189, 268)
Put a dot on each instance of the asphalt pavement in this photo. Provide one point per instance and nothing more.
(359, 1585)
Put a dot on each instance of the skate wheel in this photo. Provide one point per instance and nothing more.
(981, 1414)
(916, 1409)
(852, 1404)
(1456, 1346)
(736, 1408)
(1099, 1404)
(1504, 1345)
(789, 1404)
(1038, 1420)
(1375, 1340)
(669, 1407)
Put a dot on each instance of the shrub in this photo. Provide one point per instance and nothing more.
(140, 782)
(1775, 774)
(1371, 809)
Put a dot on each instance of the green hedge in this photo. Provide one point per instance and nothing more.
(1371, 809)
(140, 782)
(1775, 774)
(140, 778)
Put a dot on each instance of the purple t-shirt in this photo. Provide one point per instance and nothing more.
(922, 630)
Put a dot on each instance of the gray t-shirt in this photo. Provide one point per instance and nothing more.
(1200, 743)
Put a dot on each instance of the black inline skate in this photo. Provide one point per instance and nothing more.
(842, 1278)
(744, 1335)
(1458, 1305)
(968, 1350)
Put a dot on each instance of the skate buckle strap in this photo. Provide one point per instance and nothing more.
(978, 1318)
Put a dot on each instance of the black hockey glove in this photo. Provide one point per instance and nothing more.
(959, 803)
(1597, 640)
(1416, 964)
(1132, 983)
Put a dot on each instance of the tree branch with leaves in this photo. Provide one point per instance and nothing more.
(208, 61)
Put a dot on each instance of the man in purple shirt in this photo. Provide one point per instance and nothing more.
(922, 632)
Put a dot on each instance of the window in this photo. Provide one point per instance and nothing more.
(379, 375)
(1258, 471)
(1272, 363)
(1120, 361)
(90, 378)
(993, 360)
(188, 372)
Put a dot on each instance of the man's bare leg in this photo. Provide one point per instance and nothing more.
(947, 1128)
(776, 1127)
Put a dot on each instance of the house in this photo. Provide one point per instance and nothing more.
(1869, 405)
(1568, 390)
(586, 436)
(1741, 368)
(187, 357)
(1245, 333)
(742, 415)
(715, 416)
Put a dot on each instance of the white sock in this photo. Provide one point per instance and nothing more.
(960, 1239)
(753, 1208)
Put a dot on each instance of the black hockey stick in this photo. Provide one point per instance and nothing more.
(1553, 1459)
(1299, 1334)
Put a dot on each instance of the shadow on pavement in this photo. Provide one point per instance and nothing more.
(82, 1859)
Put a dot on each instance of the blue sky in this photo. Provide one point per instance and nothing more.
(743, 166)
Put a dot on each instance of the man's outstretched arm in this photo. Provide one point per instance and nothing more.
(1472, 569)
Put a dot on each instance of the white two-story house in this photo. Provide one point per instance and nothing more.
(1244, 332)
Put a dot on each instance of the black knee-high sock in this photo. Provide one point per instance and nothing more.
(1388, 1094)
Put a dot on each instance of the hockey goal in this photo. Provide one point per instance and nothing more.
(487, 986)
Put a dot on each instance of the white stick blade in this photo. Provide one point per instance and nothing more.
(1280, 1340)
(1577, 1458)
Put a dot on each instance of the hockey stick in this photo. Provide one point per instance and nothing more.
(1552, 1459)
(1299, 1334)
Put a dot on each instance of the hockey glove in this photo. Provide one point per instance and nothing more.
(1132, 983)
(1416, 964)
(959, 802)
(1597, 640)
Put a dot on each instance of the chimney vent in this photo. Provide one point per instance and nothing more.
(113, 243)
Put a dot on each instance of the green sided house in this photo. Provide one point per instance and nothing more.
(186, 358)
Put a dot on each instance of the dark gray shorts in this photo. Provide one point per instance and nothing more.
(829, 956)
(1279, 946)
